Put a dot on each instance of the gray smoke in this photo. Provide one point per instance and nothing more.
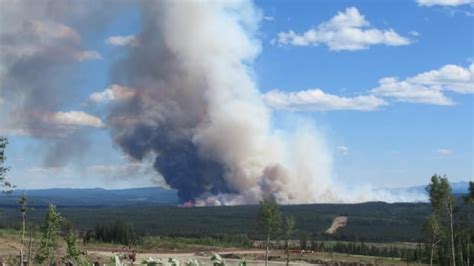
(197, 110)
(40, 48)
(188, 99)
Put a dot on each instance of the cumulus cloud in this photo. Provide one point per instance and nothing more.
(126, 40)
(112, 93)
(52, 124)
(449, 77)
(428, 87)
(444, 2)
(12, 131)
(41, 44)
(318, 100)
(38, 37)
(88, 55)
(404, 91)
(76, 118)
(37, 49)
(348, 30)
(342, 149)
(443, 152)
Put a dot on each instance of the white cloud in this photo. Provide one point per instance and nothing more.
(443, 152)
(112, 93)
(38, 37)
(342, 149)
(444, 2)
(268, 18)
(414, 33)
(404, 91)
(348, 30)
(316, 99)
(449, 77)
(128, 40)
(11, 131)
(49, 124)
(428, 87)
(75, 118)
(88, 55)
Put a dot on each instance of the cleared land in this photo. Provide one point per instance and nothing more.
(163, 250)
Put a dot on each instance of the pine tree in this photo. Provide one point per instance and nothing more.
(71, 244)
(5, 185)
(48, 243)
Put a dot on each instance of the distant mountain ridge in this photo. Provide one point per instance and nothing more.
(461, 187)
(147, 196)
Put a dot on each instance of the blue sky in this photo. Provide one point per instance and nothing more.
(385, 139)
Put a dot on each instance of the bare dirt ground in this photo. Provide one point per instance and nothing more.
(8, 245)
(203, 259)
(337, 223)
(103, 253)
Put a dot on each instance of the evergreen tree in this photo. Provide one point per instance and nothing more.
(5, 185)
(71, 244)
(49, 243)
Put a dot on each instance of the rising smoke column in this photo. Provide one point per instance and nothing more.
(188, 100)
(196, 109)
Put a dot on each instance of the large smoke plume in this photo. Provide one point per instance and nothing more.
(188, 99)
(197, 110)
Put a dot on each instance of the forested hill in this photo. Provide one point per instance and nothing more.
(375, 221)
(93, 197)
